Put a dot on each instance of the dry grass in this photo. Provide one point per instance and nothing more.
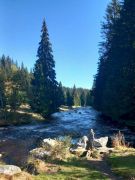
(61, 149)
(73, 169)
(118, 140)
(21, 176)
(23, 115)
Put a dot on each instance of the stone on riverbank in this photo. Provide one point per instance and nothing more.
(9, 170)
(44, 151)
(53, 149)
(49, 143)
(101, 142)
(40, 153)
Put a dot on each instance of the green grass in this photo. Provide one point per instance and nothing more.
(19, 117)
(14, 118)
(123, 164)
(73, 170)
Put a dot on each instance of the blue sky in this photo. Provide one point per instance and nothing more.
(74, 27)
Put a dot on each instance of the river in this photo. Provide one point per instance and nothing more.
(17, 141)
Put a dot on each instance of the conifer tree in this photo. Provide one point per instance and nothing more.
(75, 96)
(114, 91)
(44, 81)
(61, 97)
(105, 61)
(82, 99)
(2, 92)
(69, 98)
(89, 99)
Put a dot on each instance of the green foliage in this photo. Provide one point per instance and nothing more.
(82, 99)
(61, 97)
(14, 99)
(61, 150)
(2, 91)
(44, 84)
(75, 96)
(69, 99)
(14, 83)
(89, 99)
(114, 85)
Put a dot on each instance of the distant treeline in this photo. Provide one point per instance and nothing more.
(77, 96)
(114, 85)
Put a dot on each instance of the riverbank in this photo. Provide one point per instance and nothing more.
(75, 122)
(104, 163)
(24, 115)
(122, 162)
(121, 123)
(108, 167)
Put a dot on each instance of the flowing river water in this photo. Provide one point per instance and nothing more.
(17, 141)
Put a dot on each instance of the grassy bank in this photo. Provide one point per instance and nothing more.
(24, 115)
(73, 169)
(123, 163)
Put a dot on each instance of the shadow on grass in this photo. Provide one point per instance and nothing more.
(123, 165)
(76, 169)
(18, 118)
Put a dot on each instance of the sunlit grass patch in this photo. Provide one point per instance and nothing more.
(73, 170)
(23, 115)
(123, 163)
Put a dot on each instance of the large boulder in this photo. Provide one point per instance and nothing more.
(49, 143)
(9, 170)
(101, 142)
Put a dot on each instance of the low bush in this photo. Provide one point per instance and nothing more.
(118, 140)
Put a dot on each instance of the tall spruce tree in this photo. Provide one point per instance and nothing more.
(61, 97)
(69, 98)
(44, 82)
(2, 91)
(82, 99)
(123, 50)
(75, 97)
(114, 91)
(105, 61)
(119, 90)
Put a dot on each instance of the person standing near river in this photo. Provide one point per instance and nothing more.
(90, 142)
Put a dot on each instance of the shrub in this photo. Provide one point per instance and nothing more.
(95, 154)
(61, 149)
(118, 140)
